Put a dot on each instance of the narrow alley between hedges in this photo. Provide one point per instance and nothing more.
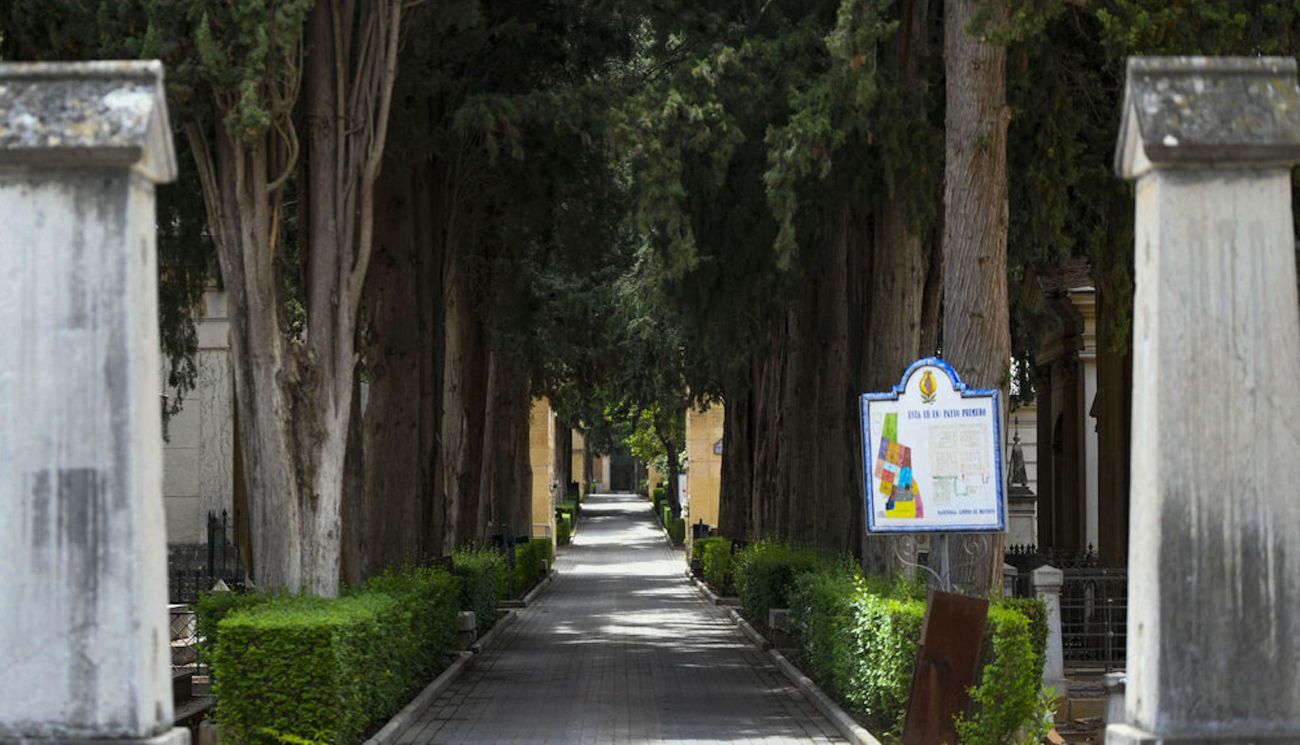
(620, 649)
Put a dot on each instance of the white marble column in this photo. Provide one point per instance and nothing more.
(83, 593)
(1214, 563)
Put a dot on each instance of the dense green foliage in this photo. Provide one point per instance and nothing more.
(858, 638)
(765, 572)
(718, 564)
(530, 559)
(433, 598)
(482, 575)
(676, 527)
(213, 607)
(563, 531)
(300, 668)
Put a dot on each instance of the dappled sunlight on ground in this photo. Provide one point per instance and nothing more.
(620, 648)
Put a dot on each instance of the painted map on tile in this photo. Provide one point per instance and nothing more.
(933, 454)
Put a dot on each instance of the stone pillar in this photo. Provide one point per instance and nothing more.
(1214, 565)
(1046, 583)
(83, 594)
(541, 456)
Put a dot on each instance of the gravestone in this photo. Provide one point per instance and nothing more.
(1214, 564)
(84, 632)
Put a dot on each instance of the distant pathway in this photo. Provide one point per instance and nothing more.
(620, 649)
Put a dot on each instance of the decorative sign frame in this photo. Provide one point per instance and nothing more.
(948, 478)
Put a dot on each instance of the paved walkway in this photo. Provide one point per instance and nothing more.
(620, 649)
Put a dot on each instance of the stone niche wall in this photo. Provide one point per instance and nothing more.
(198, 456)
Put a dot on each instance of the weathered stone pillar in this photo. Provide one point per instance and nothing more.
(1046, 582)
(1214, 564)
(83, 593)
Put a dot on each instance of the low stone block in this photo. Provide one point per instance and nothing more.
(778, 619)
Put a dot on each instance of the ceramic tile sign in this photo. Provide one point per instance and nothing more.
(933, 454)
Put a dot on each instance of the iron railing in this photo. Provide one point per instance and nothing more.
(198, 571)
(1094, 603)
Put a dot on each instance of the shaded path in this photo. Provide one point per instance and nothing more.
(620, 649)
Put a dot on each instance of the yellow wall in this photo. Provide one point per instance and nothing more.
(541, 449)
(704, 474)
(575, 472)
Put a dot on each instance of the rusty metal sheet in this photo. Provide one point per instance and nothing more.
(946, 665)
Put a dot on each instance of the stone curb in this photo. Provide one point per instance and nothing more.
(708, 593)
(537, 589)
(531, 596)
(847, 725)
(758, 639)
(486, 640)
(426, 697)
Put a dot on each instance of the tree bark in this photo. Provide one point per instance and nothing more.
(735, 508)
(976, 320)
(898, 273)
(464, 403)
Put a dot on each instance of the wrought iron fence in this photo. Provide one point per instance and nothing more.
(1094, 603)
(219, 560)
(194, 571)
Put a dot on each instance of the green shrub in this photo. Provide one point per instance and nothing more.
(482, 575)
(563, 531)
(658, 495)
(677, 530)
(214, 606)
(822, 616)
(700, 545)
(302, 668)
(569, 507)
(529, 556)
(665, 514)
(433, 596)
(718, 563)
(1006, 699)
(764, 573)
(859, 637)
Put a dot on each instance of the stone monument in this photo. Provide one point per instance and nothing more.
(83, 626)
(1214, 564)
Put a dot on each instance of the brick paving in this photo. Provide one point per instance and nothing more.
(620, 649)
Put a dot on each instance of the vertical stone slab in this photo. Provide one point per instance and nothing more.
(1046, 582)
(1214, 564)
(83, 626)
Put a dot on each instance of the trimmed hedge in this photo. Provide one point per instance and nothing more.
(677, 530)
(529, 556)
(570, 508)
(563, 531)
(212, 607)
(482, 575)
(859, 638)
(296, 668)
(700, 545)
(764, 573)
(434, 599)
(718, 563)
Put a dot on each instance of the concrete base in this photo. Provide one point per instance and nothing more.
(1124, 734)
(174, 736)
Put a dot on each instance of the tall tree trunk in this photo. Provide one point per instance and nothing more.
(767, 512)
(899, 272)
(735, 509)
(295, 397)
(464, 403)
(393, 521)
(976, 320)
(504, 475)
